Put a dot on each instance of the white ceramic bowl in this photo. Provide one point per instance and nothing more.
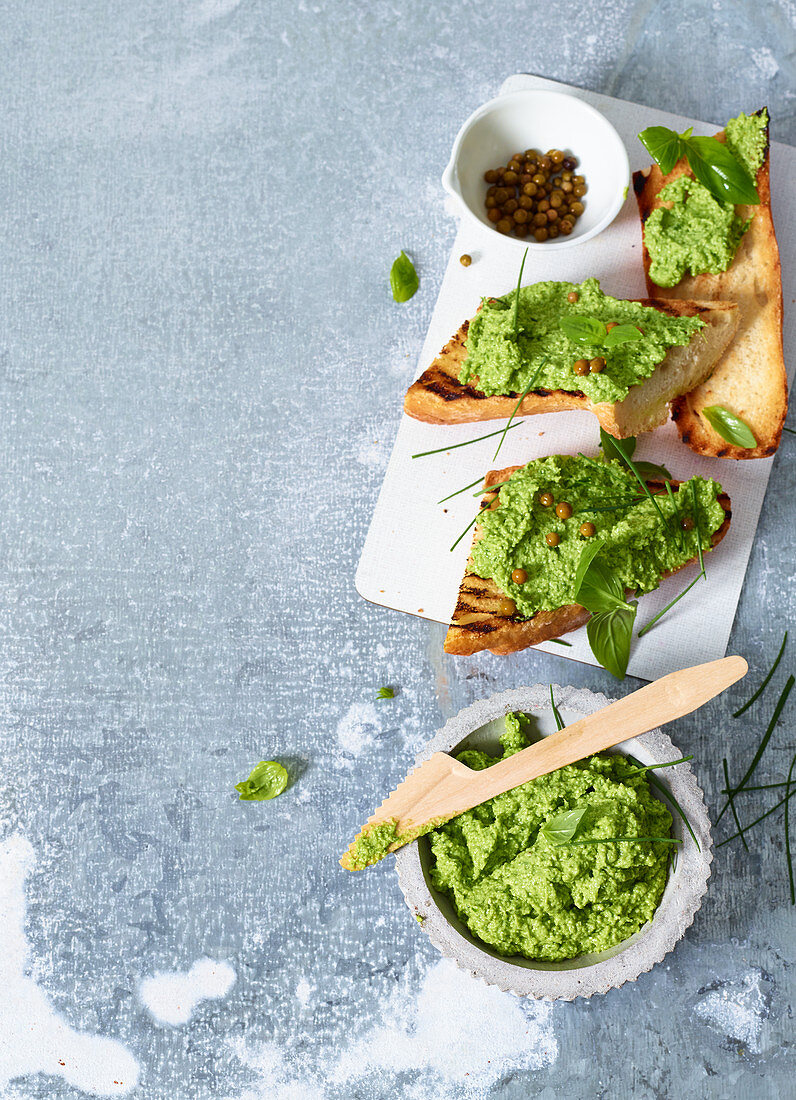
(540, 120)
(480, 725)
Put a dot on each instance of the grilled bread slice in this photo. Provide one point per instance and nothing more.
(437, 397)
(477, 623)
(749, 379)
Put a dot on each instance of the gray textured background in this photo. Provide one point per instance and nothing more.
(201, 371)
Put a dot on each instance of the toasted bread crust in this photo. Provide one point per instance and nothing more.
(750, 378)
(437, 397)
(477, 624)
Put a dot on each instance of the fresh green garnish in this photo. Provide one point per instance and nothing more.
(730, 427)
(762, 746)
(478, 481)
(589, 330)
(610, 627)
(403, 278)
(466, 443)
(385, 693)
(698, 577)
(731, 802)
(764, 685)
(788, 856)
(560, 641)
(523, 395)
(612, 449)
(652, 767)
(556, 715)
(709, 159)
(267, 780)
(561, 828)
(782, 802)
(667, 794)
(622, 450)
(516, 325)
(790, 431)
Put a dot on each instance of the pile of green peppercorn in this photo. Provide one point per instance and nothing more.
(536, 195)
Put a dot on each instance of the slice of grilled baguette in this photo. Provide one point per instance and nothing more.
(750, 378)
(437, 397)
(477, 624)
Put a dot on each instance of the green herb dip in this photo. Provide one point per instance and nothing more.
(497, 364)
(696, 233)
(375, 841)
(639, 548)
(522, 895)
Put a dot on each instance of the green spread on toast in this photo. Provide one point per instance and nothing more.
(639, 547)
(695, 233)
(496, 363)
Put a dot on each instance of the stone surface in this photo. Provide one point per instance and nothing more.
(200, 375)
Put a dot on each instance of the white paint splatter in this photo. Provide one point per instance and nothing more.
(766, 63)
(456, 1026)
(382, 651)
(455, 1032)
(33, 1038)
(304, 992)
(172, 995)
(737, 1010)
(357, 728)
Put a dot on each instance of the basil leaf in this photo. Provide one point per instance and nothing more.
(403, 279)
(587, 555)
(622, 334)
(729, 426)
(650, 472)
(600, 590)
(583, 330)
(714, 166)
(562, 828)
(609, 635)
(267, 780)
(664, 146)
(609, 446)
(597, 588)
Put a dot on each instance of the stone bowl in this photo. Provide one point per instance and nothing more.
(479, 726)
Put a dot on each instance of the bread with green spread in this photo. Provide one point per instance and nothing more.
(749, 380)
(481, 619)
(487, 365)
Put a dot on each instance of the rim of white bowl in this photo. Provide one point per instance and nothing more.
(451, 169)
(686, 885)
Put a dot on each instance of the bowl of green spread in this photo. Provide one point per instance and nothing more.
(543, 120)
(571, 884)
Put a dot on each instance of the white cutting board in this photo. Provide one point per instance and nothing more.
(406, 562)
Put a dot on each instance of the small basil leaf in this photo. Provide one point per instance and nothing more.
(610, 634)
(600, 590)
(622, 334)
(587, 555)
(267, 780)
(620, 449)
(583, 330)
(663, 145)
(730, 427)
(650, 472)
(403, 278)
(562, 828)
(714, 166)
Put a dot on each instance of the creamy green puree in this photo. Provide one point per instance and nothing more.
(695, 232)
(523, 895)
(496, 363)
(639, 547)
(375, 841)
